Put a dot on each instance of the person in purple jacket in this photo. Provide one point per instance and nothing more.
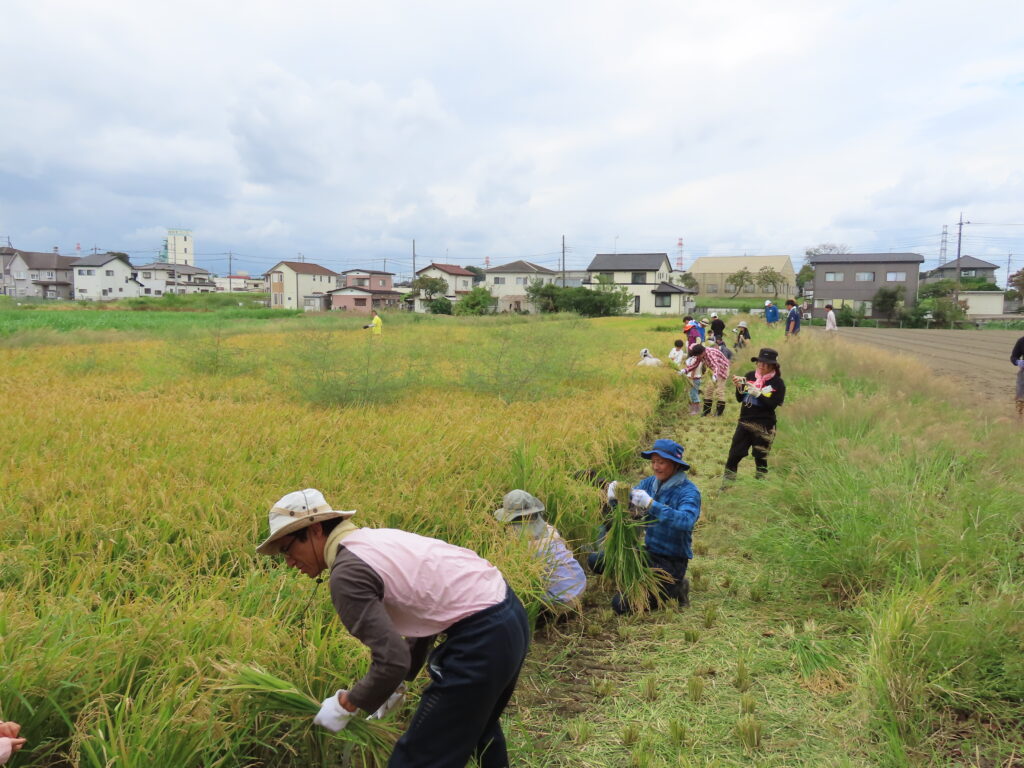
(395, 592)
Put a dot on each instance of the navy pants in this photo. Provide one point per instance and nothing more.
(473, 674)
(673, 589)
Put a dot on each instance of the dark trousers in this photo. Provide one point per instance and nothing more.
(674, 588)
(473, 674)
(755, 438)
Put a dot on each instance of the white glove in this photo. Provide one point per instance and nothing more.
(640, 498)
(1020, 363)
(332, 715)
(8, 746)
(394, 700)
(611, 489)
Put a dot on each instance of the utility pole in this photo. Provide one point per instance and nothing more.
(563, 261)
(1008, 257)
(414, 258)
(385, 264)
(301, 257)
(231, 272)
(959, 239)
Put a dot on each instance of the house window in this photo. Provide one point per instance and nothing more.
(609, 276)
(711, 288)
(730, 288)
(82, 290)
(35, 275)
(380, 283)
(866, 306)
(636, 304)
(465, 284)
(968, 272)
(864, 277)
(499, 280)
(663, 299)
(277, 297)
(20, 275)
(362, 282)
(896, 277)
(276, 277)
(109, 273)
(522, 281)
(49, 275)
(834, 277)
(147, 275)
(360, 302)
(157, 292)
(749, 288)
(638, 278)
(149, 291)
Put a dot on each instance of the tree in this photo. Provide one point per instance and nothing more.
(803, 277)
(439, 306)
(740, 280)
(887, 301)
(478, 274)
(477, 302)
(1016, 281)
(823, 248)
(430, 286)
(769, 278)
(544, 296)
(687, 280)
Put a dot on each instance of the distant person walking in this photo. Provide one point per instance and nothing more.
(1017, 358)
(792, 319)
(376, 324)
(717, 327)
(830, 319)
(771, 314)
(759, 393)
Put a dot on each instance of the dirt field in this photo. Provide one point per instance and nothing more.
(980, 358)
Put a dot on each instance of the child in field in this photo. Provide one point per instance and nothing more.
(693, 369)
(678, 353)
(566, 581)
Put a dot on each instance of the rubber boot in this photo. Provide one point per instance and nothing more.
(694, 409)
(728, 478)
(1020, 409)
(684, 593)
(720, 408)
(707, 408)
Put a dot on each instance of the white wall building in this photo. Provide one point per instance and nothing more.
(179, 247)
(508, 283)
(105, 277)
(301, 285)
(159, 278)
(459, 281)
(648, 279)
(241, 283)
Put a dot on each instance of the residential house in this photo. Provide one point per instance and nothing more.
(105, 277)
(44, 275)
(160, 277)
(243, 282)
(301, 285)
(508, 284)
(365, 289)
(458, 280)
(647, 277)
(854, 278)
(968, 266)
(712, 276)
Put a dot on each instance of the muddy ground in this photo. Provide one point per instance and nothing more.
(981, 359)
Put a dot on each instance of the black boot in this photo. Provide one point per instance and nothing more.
(728, 479)
(684, 593)
(720, 408)
(707, 408)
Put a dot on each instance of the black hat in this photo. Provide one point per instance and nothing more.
(766, 355)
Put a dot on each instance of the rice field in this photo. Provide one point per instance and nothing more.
(861, 607)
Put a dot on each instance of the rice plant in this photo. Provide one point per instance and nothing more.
(695, 687)
(747, 704)
(710, 616)
(742, 680)
(649, 688)
(678, 734)
(625, 563)
(630, 734)
(748, 729)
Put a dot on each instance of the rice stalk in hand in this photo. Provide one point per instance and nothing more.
(625, 562)
(374, 739)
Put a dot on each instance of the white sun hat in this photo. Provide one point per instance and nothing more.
(518, 504)
(295, 511)
(768, 303)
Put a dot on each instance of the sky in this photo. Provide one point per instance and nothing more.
(488, 131)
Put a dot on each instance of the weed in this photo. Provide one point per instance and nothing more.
(695, 687)
(649, 688)
(580, 730)
(603, 687)
(630, 734)
(691, 635)
(710, 616)
(747, 704)
(678, 734)
(742, 680)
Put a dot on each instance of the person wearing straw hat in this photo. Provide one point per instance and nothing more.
(759, 392)
(566, 580)
(396, 592)
(670, 504)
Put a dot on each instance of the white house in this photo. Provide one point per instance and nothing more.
(301, 285)
(45, 275)
(648, 279)
(458, 280)
(243, 282)
(160, 277)
(508, 284)
(105, 277)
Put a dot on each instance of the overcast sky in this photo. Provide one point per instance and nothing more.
(344, 130)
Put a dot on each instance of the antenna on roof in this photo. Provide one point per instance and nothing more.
(487, 261)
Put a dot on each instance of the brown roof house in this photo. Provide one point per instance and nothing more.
(365, 289)
(647, 277)
(44, 275)
(458, 280)
(508, 284)
(301, 285)
(854, 278)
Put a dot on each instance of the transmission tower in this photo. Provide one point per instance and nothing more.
(942, 246)
(679, 258)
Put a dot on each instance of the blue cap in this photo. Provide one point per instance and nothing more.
(667, 449)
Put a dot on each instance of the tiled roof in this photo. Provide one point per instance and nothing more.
(521, 266)
(99, 259)
(44, 260)
(624, 262)
(966, 262)
(865, 258)
(305, 268)
(451, 269)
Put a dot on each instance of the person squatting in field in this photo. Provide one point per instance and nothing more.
(396, 592)
(669, 503)
(716, 374)
(759, 393)
(9, 741)
(647, 359)
(1017, 358)
(566, 580)
(742, 335)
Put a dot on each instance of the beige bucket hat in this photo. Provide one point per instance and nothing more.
(518, 504)
(295, 511)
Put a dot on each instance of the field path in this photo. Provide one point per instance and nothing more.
(981, 359)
